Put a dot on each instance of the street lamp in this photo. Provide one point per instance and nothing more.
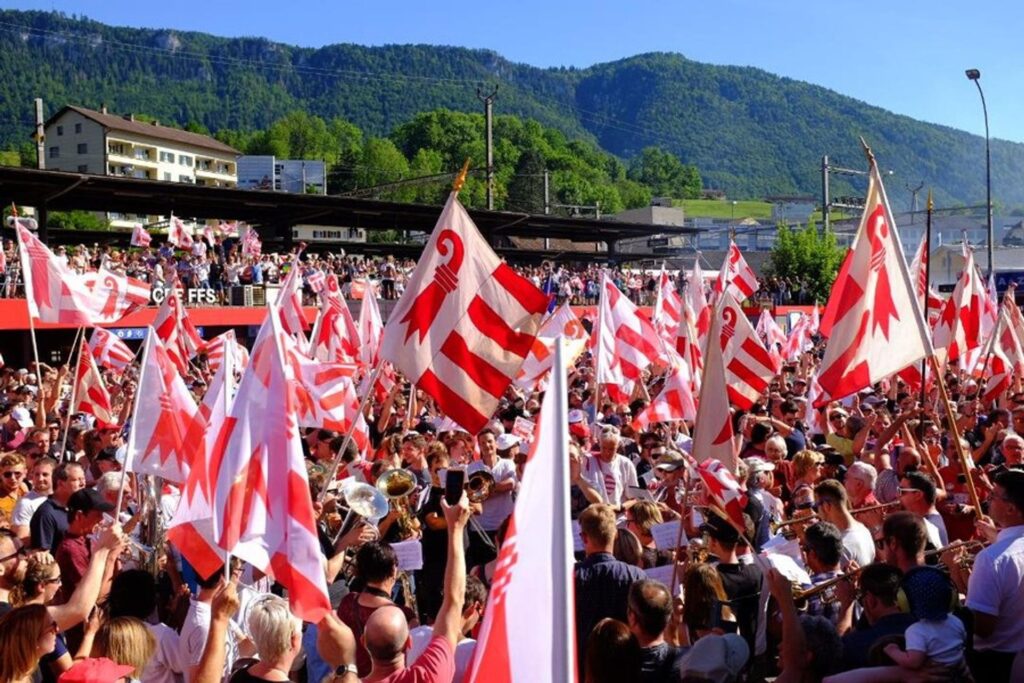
(975, 75)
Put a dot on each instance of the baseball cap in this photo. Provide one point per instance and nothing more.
(507, 441)
(670, 462)
(88, 500)
(577, 416)
(22, 417)
(715, 658)
(95, 670)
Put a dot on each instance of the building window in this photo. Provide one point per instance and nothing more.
(55, 152)
(167, 176)
(60, 130)
(78, 128)
(167, 156)
(84, 168)
(83, 148)
(185, 160)
(184, 179)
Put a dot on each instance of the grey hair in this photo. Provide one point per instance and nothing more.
(271, 626)
(779, 441)
(864, 471)
(109, 483)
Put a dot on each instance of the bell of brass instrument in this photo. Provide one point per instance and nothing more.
(364, 502)
(479, 485)
(398, 485)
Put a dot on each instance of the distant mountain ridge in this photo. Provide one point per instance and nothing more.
(749, 132)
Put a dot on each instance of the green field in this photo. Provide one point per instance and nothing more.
(718, 208)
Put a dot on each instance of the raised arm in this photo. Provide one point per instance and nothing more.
(449, 617)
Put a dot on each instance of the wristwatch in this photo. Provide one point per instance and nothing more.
(346, 669)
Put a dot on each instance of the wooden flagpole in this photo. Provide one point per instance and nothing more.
(74, 387)
(367, 396)
(130, 443)
(927, 284)
(964, 463)
(24, 276)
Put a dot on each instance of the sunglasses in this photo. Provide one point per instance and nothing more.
(20, 552)
(54, 581)
(13, 475)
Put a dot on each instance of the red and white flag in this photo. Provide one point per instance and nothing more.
(675, 402)
(316, 280)
(724, 490)
(668, 307)
(109, 351)
(259, 459)
(191, 529)
(878, 328)
(812, 415)
(736, 276)
(222, 346)
(91, 395)
(115, 295)
(289, 302)
(749, 367)
(698, 303)
(140, 238)
(251, 244)
(688, 344)
(713, 434)
(561, 323)
(335, 336)
(54, 293)
(465, 323)
(799, 339)
(958, 331)
(179, 234)
(371, 330)
(768, 330)
(206, 232)
(176, 331)
(624, 343)
(162, 416)
(528, 630)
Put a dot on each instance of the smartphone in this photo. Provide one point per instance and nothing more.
(453, 483)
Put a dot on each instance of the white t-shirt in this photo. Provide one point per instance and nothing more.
(165, 666)
(940, 527)
(610, 479)
(934, 537)
(26, 507)
(499, 506)
(421, 637)
(194, 633)
(996, 587)
(859, 544)
(942, 641)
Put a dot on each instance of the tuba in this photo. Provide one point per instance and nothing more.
(479, 485)
(364, 502)
(398, 485)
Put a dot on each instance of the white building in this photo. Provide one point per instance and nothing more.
(86, 141)
(267, 172)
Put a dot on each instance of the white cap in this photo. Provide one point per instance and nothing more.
(22, 417)
(507, 441)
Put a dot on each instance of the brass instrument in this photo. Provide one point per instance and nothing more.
(872, 508)
(776, 527)
(697, 551)
(398, 485)
(966, 561)
(364, 502)
(826, 585)
(479, 485)
(408, 596)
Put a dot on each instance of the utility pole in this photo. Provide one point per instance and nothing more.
(824, 193)
(488, 101)
(40, 137)
(547, 193)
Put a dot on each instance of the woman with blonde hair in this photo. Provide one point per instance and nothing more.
(27, 634)
(806, 473)
(124, 640)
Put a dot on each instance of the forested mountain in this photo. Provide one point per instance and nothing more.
(750, 133)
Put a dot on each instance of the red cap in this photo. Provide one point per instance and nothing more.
(98, 670)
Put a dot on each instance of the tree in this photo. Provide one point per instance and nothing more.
(665, 174)
(381, 162)
(526, 188)
(77, 220)
(806, 255)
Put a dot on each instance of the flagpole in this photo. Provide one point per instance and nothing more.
(74, 389)
(130, 444)
(367, 395)
(955, 428)
(927, 284)
(24, 277)
(564, 610)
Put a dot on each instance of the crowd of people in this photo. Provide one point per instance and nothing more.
(224, 265)
(862, 555)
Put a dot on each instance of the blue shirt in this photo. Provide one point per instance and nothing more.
(602, 587)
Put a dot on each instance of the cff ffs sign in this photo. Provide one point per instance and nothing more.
(189, 296)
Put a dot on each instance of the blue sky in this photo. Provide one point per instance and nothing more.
(906, 56)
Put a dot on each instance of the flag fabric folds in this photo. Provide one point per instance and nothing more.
(258, 459)
(712, 433)
(736, 276)
(465, 323)
(528, 630)
(749, 367)
(163, 414)
(221, 346)
(179, 234)
(724, 490)
(674, 404)
(289, 302)
(140, 238)
(624, 343)
(561, 323)
(176, 331)
(91, 395)
(878, 327)
(335, 336)
(698, 300)
(109, 351)
(371, 329)
(114, 296)
(667, 307)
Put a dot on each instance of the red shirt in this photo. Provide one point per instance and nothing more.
(435, 665)
(73, 556)
(355, 617)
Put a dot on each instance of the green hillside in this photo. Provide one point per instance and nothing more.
(750, 133)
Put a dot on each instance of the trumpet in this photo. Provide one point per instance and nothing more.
(778, 526)
(826, 586)
(872, 508)
(966, 561)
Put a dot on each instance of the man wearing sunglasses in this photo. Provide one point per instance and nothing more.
(12, 567)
